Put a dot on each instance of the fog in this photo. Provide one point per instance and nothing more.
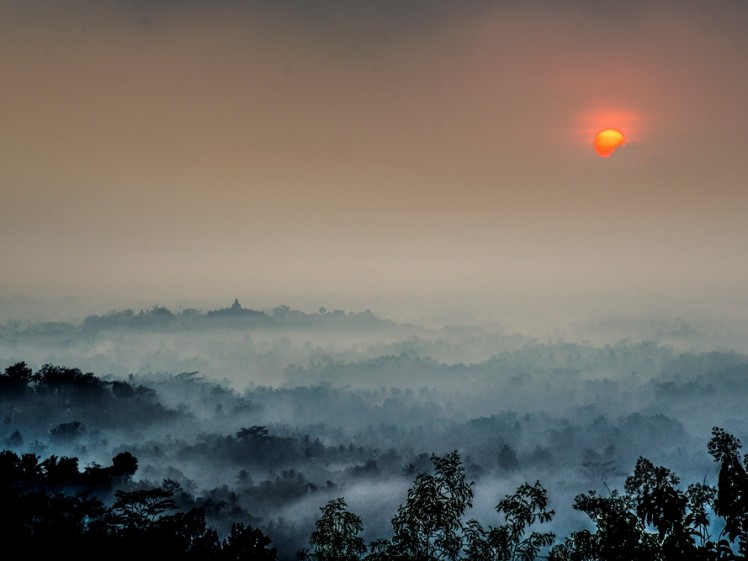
(286, 251)
(265, 414)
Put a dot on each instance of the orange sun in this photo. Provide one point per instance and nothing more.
(607, 141)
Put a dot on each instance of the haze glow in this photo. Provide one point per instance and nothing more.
(374, 156)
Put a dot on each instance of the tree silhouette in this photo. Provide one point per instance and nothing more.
(67, 432)
(429, 527)
(508, 542)
(336, 534)
(656, 520)
(141, 507)
(659, 503)
(42, 518)
(16, 379)
(246, 542)
(731, 501)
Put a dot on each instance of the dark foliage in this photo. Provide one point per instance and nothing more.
(53, 505)
(49, 508)
(37, 395)
(653, 520)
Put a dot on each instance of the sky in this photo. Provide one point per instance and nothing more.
(407, 157)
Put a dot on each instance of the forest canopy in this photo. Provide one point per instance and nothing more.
(55, 504)
(51, 505)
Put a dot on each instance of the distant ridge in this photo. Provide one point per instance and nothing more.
(233, 316)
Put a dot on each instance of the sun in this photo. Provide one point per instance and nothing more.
(607, 140)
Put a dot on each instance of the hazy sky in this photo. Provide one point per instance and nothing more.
(373, 154)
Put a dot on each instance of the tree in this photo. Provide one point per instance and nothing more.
(141, 507)
(336, 534)
(124, 465)
(67, 432)
(508, 542)
(619, 535)
(246, 542)
(16, 378)
(731, 502)
(656, 520)
(41, 517)
(179, 535)
(51, 376)
(429, 527)
(60, 472)
(661, 504)
(254, 433)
